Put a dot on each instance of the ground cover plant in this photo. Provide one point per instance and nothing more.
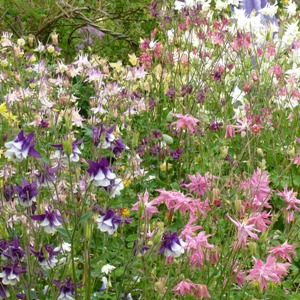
(175, 176)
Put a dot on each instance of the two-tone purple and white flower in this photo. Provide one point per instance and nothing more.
(74, 155)
(100, 173)
(27, 192)
(109, 222)
(172, 245)
(11, 274)
(11, 250)
(21, 147)
(50, 220)
(66, 289)
(46, 256)
(47, 175)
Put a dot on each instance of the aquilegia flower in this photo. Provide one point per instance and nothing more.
(10, 274)
(172, 245)
(50, 220)
(11, 250)
(186, 121)
(109, 222)
(66, 289)
(100, 173)
(60, 152)
(46, 256)
(27, 192)
(21, 147)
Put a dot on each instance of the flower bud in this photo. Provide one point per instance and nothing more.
(31, 40)
(253, 248)
(50, 49)
(21, 42)
(260, 152)
(67, 147)
(168, 139)
(54, 37)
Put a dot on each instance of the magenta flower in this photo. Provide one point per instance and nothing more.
(21, 147)
(148, 208)
(284, 251)
(186, 121)
(244, 230)
(266, 272)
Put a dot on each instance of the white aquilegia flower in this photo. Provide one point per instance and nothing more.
(106, 269)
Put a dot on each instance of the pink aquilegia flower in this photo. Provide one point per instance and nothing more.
(199, 184)
(260, 220)
(244, 230)
(184, 287)
(258, 190)
(185, 121)
(284, 251)
(148, 208)
(291, 200)
(266, 272)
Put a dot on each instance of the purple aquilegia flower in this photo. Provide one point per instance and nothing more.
(47, 175)
(10, 274)
(59, 153)
(66, 289)
(171, 245)
(50, 220)
(119, 146)
(115, 188)
(109, 138)
(8, 191)
(21, 147)
(100, 173)
(11, 250)
(46, 256)
(109, 222)
(27, 192)
(97, 132)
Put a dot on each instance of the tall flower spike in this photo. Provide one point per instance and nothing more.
(21, 147)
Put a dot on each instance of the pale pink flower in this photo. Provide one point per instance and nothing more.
(266, 272)
(185, 121)
(289, 197)
(244, 230)
(184, 287)
(148, 207)
(260, 220)
(284, 251)
(258, 190)
(189, 229)
(201, 291)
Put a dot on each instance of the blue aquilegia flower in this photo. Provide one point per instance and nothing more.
(172, 245)
(27, 192)
(10, 274)
(100, 173)
(109, 222)
(46, 256)
(74, 156)
(21, 147)
(50, 220)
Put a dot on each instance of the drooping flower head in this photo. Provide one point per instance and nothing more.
(109, 222)
(66, 289)
(100, 173)
(51, 220)
(27, 192)
(46, 256)
(172, 245)
(47, 175)
(11, 274)
(21, 147)
(74, 155)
